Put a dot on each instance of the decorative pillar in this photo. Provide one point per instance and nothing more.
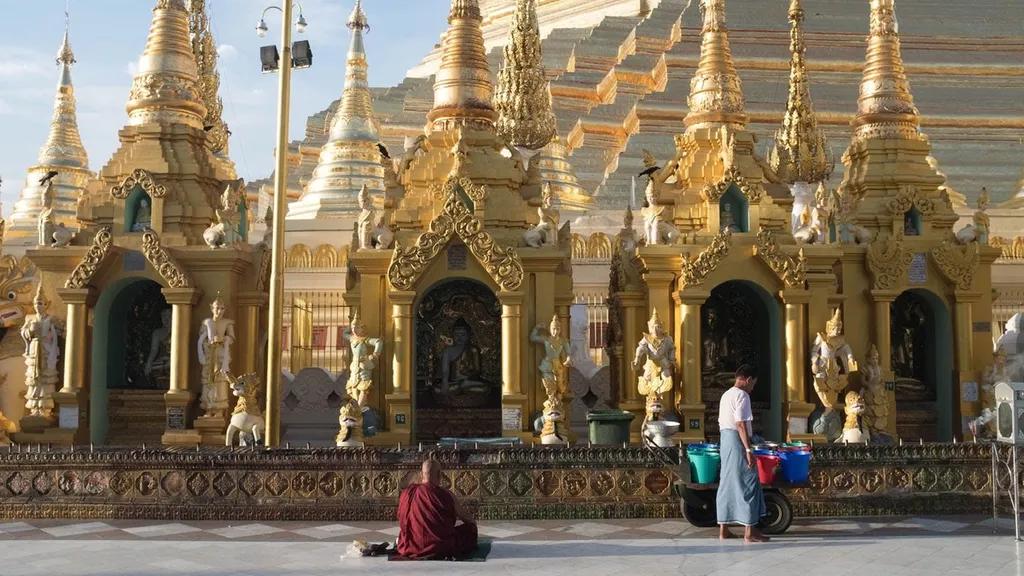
(882, 338)
(514, 402)
(179, 397)
(797, 408)
(692, 407)
(72, 399)
(249, 306)
(963, 326)
(398, 412)
(633, 307)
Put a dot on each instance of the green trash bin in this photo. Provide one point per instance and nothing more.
(609, 426)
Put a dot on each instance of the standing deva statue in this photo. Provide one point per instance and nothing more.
(366, 352)
(545, 233)
(42, 352)
(831, 360)
(216, 336)
(554, 376)
(371, 232)
(656, 353)
(656, 230)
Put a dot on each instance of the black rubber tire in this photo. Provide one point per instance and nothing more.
(780, 513)
(700, 516)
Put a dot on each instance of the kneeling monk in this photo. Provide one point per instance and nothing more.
(427, 514)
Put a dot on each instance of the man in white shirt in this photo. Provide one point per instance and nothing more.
(740, 499)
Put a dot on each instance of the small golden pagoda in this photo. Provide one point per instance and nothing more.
(162, 229)
(745, 262)
(458, 295)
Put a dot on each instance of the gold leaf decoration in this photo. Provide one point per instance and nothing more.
(164, 263)
(714, 192)
(792, 271)
(696, 270)
(455, 220)
(910, 197)
(957, 262)
(887, 261)
(86, 269)
(138, 177)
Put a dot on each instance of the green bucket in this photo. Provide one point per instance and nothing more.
(704, 465)
(610, 427)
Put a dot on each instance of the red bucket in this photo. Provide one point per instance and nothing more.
(767, 465)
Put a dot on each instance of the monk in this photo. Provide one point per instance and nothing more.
(427, 516)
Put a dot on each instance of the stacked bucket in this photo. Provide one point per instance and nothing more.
(789, 462)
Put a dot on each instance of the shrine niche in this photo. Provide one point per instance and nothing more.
(458, 362)
(737, 328)
(733, 211)
(922, 365)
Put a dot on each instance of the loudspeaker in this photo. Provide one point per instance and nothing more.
(270, 58)
(1010, 412)
(302, 54)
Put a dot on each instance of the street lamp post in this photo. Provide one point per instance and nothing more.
(273, 376)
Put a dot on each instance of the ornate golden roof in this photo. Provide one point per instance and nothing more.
(205, 50)
(350, 160)
(462, 86)
(716, 94)
(523, 98)
(166, 87)
(885, 107)
(800, 152)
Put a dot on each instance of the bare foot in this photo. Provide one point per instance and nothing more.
(725, 534)
(756, 537)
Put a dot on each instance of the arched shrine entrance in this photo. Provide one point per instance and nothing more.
(131, 363)
(458, 362)
(922, 362)
(740, 325)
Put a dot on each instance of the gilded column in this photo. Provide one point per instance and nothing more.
(399, 397)
(798, 410)
(882, 337)
(633, 305)
(72, 400)
(965, 366)
(513, 400)
(179, 397)
(692, 408)
(249, 306)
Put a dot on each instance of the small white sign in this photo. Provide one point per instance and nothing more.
(918, 271)
(68, 417)
(969, 391)
(511, 418)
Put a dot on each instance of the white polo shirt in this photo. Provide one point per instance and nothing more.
(733, 409)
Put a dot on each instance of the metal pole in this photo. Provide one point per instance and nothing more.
(995, 486)
(1016, 494)
(273, 379)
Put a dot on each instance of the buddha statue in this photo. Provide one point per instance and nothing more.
(143, 219)
(461, 364)
(728, 219)
(365, 353)
(216, 336)
(715, 346)
(42, 352)
(158, 362)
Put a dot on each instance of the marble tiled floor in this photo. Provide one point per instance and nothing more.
(952, 546)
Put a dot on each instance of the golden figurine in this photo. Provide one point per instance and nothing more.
(831, 357)
(876, 413)
(656, 353)
(216, 336)
(350, 421)
(42, 353)
(366, 352)
(855, 431)
(460, 362)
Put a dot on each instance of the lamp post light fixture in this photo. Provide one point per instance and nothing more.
(271, 62)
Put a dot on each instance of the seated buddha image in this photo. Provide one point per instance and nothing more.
(461, 366)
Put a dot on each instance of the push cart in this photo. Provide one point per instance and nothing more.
(697, 502)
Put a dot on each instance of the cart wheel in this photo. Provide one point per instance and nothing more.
(700, 516)
(780, 513)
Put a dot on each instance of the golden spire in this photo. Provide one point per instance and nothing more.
(63, 152)
(800, 152)
(166, 88)
(205, 51)
(462, 86)
(716, 94)
(885, 108)
(523, 98)
(350, 160)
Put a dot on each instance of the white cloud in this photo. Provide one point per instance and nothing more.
(132, 68)
(227, 51)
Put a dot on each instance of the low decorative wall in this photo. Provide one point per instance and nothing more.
(501, 483)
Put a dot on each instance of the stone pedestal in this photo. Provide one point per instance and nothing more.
(398, 421)
(177, 431)
(211, 429)
(72, 409)
(515, 414)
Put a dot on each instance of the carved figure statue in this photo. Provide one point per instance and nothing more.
(545, 233)
(47, 220)
(728, 219)
(983, 427)
(809, 229)
(366, 352)
(553, 366)
(159, 357)
(554, 430)
(715, 346)
(656, 353)
(143, 216)
(7, 427)
(831, 357)
(727, 152)
(268, 223)
(876, 414)
(61, 236)
(42, 352)
(910, 227)
(246, 418)
(978, 231)
(350, 423)
(656, 230)
(854, 431)
(461, 362)
(215, 235)
(216, 336)
(371, 231)
(1011, 344)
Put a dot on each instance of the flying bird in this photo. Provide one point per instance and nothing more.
(383, 151)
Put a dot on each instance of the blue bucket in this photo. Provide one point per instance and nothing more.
(796, 466)
(704, 466)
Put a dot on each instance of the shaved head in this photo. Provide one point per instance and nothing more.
(430, 472)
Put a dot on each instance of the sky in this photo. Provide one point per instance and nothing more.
(108, 36)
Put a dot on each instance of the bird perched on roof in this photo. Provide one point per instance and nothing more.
(49, 176)
(383, 151)
(650, 164)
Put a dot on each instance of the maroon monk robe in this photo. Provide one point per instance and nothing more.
(426, 521)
